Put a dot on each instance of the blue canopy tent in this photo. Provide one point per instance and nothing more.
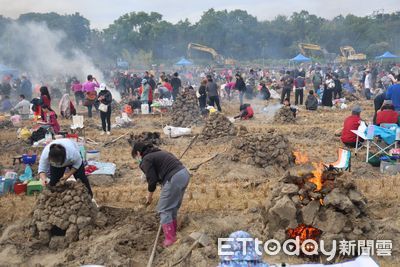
(4, 70)
(387, 55)
(300, 58)
(184, 62)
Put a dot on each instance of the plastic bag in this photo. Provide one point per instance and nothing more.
(173, 132)
(24, 134)
(16, 120)
(27, 175)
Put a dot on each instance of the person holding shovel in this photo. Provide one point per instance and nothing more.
(161, 167)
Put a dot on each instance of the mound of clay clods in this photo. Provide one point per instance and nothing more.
(284, 115)
(64, 215)
(317, 205)
(146, 137)
(185, 110)
(217, 126)
(263, 150)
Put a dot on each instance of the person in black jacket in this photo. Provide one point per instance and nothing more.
(176, 85)
(337, 91)
(241, 86)
(203, 95)
(311, 101)
(264, 91)
(378, 103)
(163, 168)
(105, 99)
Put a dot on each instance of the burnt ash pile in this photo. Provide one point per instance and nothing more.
(64, 215)
(317, 205)
(185, 110)
(263, 150)
(217, 125)
(146, 137)
(350, 97)
(284, 115)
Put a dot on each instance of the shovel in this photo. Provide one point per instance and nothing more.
(200, 238)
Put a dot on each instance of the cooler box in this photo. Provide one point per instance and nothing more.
(388, 167)
(6, 186)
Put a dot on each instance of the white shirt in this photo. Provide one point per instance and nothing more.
(367, 83)
(23, 107)
(73, 156)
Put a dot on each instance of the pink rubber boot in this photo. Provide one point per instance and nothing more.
(169, 233)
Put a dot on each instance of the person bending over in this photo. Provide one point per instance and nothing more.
(163, 168)
(56, 157)
(246, 112)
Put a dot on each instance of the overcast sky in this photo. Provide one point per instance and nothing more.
(101, 13)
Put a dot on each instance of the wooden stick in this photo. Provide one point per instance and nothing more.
(201, 163)
(116, 139)
(190, 144)
(187, 254)
(153, 252)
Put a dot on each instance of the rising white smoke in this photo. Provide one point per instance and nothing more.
(37, 48)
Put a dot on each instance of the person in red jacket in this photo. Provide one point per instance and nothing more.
(351, 123)
(387, 114)
(246, 112)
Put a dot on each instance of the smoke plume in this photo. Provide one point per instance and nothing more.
(39, 51)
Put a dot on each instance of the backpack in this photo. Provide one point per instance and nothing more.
(39, 134)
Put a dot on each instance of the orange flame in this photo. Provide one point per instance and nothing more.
(304, 232)
(317, 172)
(300, 157)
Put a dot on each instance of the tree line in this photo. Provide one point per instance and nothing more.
(235, 34)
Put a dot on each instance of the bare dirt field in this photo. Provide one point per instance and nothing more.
(223, 195)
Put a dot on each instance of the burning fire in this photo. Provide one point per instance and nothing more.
(317, 172)
(304, 232)
(300, 157)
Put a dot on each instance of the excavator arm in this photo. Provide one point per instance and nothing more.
(203, 48)
(219, 59)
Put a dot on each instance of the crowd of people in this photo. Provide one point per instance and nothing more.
(311, 87)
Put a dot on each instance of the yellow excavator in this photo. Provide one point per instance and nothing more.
(219, 59)
(349, 54)
(313, 50)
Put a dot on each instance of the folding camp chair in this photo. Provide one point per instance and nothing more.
(78, 125)
(360, 133)
(343, 162)
(369, 140)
